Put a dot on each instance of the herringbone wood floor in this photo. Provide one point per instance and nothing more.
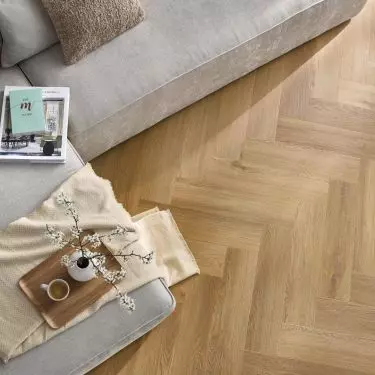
(272, 182)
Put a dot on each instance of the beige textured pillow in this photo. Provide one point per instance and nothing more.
(84, 25)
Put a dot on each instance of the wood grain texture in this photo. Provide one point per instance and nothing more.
(260, 364)
(365, 255)
(363, 289)
(340, 240)
(269, 296)
(327, 347)
(272, 183)
(304, 277)
(81, 296)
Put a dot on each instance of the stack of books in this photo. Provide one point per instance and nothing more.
(34, 124)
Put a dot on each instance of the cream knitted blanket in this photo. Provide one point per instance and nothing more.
(23, 246)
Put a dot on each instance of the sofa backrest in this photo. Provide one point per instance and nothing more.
(26, 30)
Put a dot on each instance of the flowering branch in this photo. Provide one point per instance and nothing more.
(124, 300)
(96, 241)
(56, 237)
(84, 244)
(145, 259)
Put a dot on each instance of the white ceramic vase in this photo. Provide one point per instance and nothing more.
(81, 270)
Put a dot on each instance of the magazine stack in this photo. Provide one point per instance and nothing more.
(34, 124)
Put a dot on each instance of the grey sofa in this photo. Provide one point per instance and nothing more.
(181, 52)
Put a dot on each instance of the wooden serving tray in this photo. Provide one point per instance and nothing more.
(82, 294)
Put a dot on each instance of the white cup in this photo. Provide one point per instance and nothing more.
(49, 289)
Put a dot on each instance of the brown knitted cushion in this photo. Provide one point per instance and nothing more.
(84, 25)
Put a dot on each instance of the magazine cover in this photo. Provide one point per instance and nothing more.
(48, 143)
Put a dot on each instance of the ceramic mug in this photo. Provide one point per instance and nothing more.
(57, 289)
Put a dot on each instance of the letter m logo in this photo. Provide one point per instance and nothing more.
(26, 105)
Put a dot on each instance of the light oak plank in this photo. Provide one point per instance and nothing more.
(327, 348)
(341, 238)
(260, 364)
(267, 309)
(363, 289)
(306, 262)
(283, 159)
(364, 260)
(342, 317)
(227, 337)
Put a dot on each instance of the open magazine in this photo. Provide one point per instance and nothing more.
(46, 147)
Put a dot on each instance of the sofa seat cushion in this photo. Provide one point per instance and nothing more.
(25, 186)
(11, 77)
(181, 52)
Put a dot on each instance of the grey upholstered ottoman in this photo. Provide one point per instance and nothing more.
(97, 338)
(22, 188)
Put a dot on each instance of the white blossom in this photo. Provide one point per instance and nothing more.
(99, 265)
(126, 302)
(119, 231)
(147, 259)
(113, 276)
(70, 209)
(55, 236)
(93, 239)
(75, 231)
(62, 198)
(91, 242)
(66, 261)
(97, 260)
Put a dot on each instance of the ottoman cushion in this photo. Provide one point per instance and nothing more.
(91, 342)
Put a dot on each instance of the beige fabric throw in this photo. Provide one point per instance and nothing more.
(23, 246)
